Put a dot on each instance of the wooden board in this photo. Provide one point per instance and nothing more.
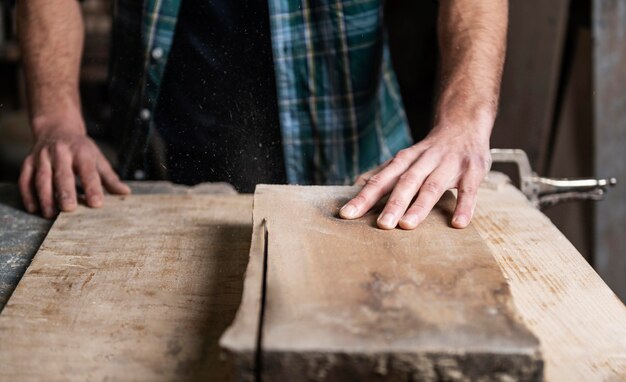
(344, 299)
(579, 321)
(138, 290)
(53, 331)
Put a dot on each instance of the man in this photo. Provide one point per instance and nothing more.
(322, 107)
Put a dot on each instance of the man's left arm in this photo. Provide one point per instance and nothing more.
(472, 41)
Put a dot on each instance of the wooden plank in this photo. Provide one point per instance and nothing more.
(138, 290)
(579, 321)
(609, 108)
(344, 299)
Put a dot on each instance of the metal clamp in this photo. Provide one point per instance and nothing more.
(545, 192)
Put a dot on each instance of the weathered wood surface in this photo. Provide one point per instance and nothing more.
(579, 321)
(138, 290)
(22, 233)
(344, 299)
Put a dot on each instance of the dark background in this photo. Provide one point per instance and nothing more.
(563, 101)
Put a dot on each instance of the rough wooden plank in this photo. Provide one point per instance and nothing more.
(344, 299)
(609, 107)
(138, 290)
(579, 321)
(22, 233)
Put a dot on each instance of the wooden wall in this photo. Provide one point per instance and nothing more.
(609, 120)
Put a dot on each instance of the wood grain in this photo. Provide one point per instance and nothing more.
(145, 253)
(138, 290)
(344, 299)
(580, 322)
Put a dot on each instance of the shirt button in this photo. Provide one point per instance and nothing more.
(157, 53)
(144, 114)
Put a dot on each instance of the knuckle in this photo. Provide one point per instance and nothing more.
(43, 174)
(63, 195)
(402, 156)
(90, 179)
(479, 162)
(409, 178)
(432, 186)
(467, 191)
(374, 181)
(395, 202)
(61, 175)
(359, 199)
(418, 206)
(58, 147)
(84, 151)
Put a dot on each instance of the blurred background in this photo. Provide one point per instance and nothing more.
(563, 101)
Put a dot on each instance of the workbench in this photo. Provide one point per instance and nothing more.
(22, 233)
(150, 334)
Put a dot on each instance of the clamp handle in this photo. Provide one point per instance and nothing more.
(545, 192)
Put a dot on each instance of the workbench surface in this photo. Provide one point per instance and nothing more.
(580, 323)
(22, 233)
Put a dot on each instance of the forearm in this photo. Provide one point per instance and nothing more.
(472, 41)
(51, 38)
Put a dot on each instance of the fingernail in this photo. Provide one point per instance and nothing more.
(410, 220)
(348, 211)
(460, 220)
(386, 220)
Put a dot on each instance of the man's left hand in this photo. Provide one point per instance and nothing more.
(449, 157)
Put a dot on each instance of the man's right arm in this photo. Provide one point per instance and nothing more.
(51, 35)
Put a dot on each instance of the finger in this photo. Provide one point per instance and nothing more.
(429, 194)
(379, 185)
(25, 184)
(467, 191)
(404, 191)
(90, 179)
(43, 185)
(63, 177)
(110, 179)
(362, 179)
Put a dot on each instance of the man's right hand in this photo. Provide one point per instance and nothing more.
(61, 153)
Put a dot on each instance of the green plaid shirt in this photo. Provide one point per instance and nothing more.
(339, 104)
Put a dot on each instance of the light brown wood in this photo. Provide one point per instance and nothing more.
(139, 290)
(580, 322)
(346, 299)
(56, 328)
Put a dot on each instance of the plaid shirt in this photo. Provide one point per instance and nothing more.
(340, 109)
